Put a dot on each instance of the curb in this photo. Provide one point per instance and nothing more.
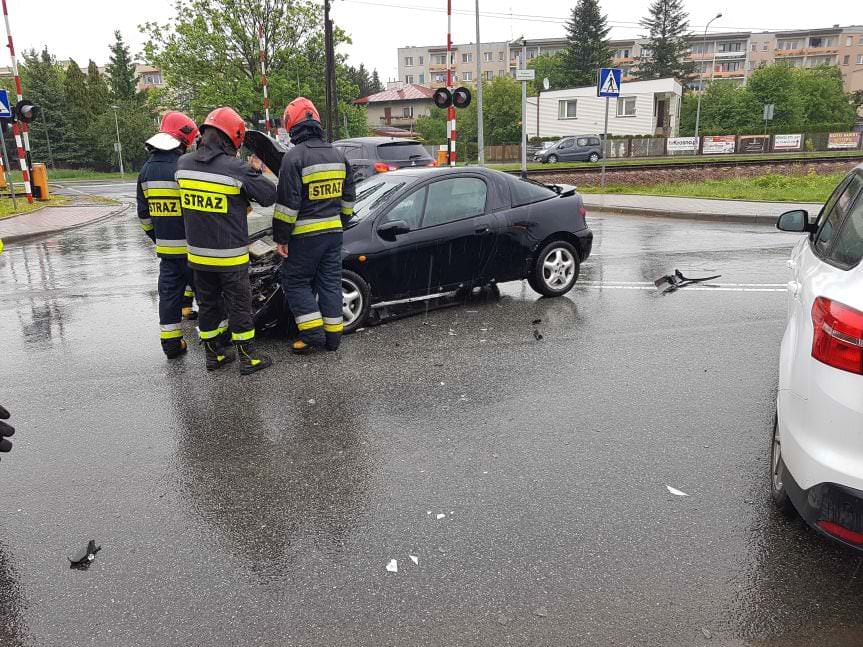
(25, 213)
(48, 232)
(694, 215)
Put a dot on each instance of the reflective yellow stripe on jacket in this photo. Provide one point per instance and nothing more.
(218, 257)
(317, 225)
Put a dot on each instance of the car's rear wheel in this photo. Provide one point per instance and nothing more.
(552, 159)
(555, 270)
(777, 475)
(593, 157)
(356, 301)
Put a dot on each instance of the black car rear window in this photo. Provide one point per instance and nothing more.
(402, 152)
(527, 191)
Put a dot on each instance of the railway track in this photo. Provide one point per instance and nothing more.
(615, 168)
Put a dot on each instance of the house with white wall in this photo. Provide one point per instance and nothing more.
(643, 108)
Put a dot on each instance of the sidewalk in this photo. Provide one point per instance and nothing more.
(54, 219)
(694, 208)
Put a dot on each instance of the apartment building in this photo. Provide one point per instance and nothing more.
(731, 56)
(148, 76)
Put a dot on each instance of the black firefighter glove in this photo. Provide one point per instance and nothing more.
(5, 430)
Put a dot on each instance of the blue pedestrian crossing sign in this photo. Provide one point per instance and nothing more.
(5, 108)
(608, 83)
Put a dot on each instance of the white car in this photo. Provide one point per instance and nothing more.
(817, 450)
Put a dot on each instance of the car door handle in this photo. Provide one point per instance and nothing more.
(482, 230)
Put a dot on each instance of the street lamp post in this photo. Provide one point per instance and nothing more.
(119, 145)
(47, 139)
(701, 91)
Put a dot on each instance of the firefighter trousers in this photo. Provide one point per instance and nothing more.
(225, 303)
(312, 283)
(174, 279)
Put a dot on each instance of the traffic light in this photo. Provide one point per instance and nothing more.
(26, 111)
(459, 98)
(442, 98)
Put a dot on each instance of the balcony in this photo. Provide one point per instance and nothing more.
(729, 74)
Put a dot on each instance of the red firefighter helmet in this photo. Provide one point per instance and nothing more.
(229, 122)
(298, 111)
(177, 129)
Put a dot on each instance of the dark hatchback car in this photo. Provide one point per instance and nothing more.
(421, 234)
(369, 156)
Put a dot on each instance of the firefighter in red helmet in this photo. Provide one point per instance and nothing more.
(161, 219)
(215, 190)
(316, 195)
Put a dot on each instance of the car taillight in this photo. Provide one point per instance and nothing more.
(582, 212)
(433, 163)
(838, 340)
(841, 532)
(380, 167)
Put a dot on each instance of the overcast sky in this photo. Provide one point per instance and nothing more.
(83, 29)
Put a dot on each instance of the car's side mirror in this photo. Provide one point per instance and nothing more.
(796, 221)
(389, 230)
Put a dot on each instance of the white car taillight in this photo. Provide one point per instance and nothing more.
(838, 340)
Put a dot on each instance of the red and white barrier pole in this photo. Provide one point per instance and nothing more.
(451, 139)
(23, 148)
(264, 80)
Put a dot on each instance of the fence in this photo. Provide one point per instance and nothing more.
(708, 145)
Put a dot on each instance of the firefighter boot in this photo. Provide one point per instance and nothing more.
(174, 348)
(189, 313)
(218, 355)
(252, 361)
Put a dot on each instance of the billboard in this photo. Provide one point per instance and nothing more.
(787, 142)
(682, 144)
(715, 144)
(753, 144)
(843, 140)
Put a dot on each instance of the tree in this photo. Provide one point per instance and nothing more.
(77, 111)
(777, 84)
(587, 44)
(135, 126)
(667, 49)
(823, 95)
(121, 70)
(97, 90)
(209, 54)
(551, 67)
(725, 108)
(376, 85)
(42, 78)
(368, 84)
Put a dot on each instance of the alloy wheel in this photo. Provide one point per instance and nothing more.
(558, 268)
(352, 301)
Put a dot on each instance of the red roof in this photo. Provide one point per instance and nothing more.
(411, 92)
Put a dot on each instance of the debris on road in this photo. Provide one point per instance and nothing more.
(671, 282)
(440, 515)
(415, 559)
(675, 491)
(537, 335)
(542, 612)
(81, 559)
(393, 566)
(536, 322)
(706, 633)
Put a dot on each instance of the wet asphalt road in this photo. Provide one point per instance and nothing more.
(263, 510)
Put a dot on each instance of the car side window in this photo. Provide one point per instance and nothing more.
(566, 143)
(353, 152)
(593, 141)
(410, 209)
(455, 199)
(582, 142)
(847, 251)
(834, 217)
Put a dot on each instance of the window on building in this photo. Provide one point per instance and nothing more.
(439, 78)
(153, 78)
(467, 76)
(500, 73)
(860, 42)
(438, 59)
(818, 41)
(488, 57)
(531, 53)
(754, 47)
(567, 109)
(730, 47)
(409, 78)
(849, 40)
(467, 57)
(859, 59)
(409, 61)
(501, 55)
(701, 48)
(846, 59)
(764, 47)
(626, 106)
(489, 75)
(408, 112)
(788, 44)
(422, 78)
(422, 60)
(622, 53)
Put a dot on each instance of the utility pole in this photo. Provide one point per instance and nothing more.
(523, 66)
(119, 146)
(480, 135)
(330, 70)
(701, 92)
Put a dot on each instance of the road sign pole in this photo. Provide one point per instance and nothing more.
(8, 170)
(604, 148)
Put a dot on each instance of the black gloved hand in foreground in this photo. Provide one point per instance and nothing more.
(5, 430)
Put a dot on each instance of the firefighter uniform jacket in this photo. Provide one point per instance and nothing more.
(316, 190)
(215, 190)
(159, 204)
